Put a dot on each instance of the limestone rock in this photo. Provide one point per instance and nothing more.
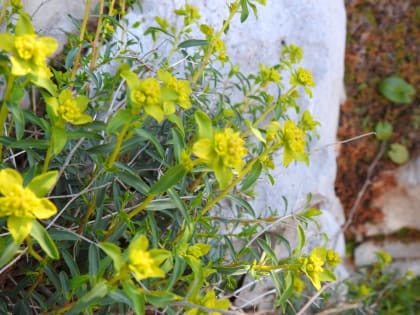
(400, 205)
(406, 256)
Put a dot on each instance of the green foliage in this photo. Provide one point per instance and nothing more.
(397, 90)
(113, 187)
(379, 290)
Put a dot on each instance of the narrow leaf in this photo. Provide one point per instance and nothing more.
(168, 180)
(193, 42)
(40, 234)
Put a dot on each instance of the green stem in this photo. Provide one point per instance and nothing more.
(4, 10)
(209, 51)
(118, 144)
(4, 110)
(143, 205)
(48, 156)
(229, 187)
(81, 37)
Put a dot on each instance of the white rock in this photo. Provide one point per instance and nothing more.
(400, 205)
(52, 17)
(405, 256)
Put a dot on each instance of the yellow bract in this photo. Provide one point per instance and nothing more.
(158, 100)
(28, 52)
(209, 300)
(293, 139)
(21, 205)
(142, 262)
(69, 108)
(224, 152)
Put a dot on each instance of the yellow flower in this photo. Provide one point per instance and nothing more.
(69, 108)
(209, 301)
(143, 263)
(268, 74)
(302, 77)
(190, 12)
(28, 52)
(312, 267)
(293, 139)
(333, 259)
(22, 205)
(174, 91)
(308, 122)
(223, 152)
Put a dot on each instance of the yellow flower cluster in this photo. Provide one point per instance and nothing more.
(303, 77)
(157, 96)
(189, 12)
(307, 122)
(268, 74)
(209, 300)
(229, 146)
(316, 264)
(143, 263)
(69, 108)
(293, 139)
(22, 205)
(28, 52)
(222, 150)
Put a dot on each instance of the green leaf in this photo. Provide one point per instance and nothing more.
(136, 297)
(383, 130)
(121, 118)
(160, 299)
(93, 258)
(311, 212)
(70, 57)
(244, 11)
(268, 250)
(179, 204)
(198, 277)
(168, 180)
(8, 253)
(397, 90)
(193, 42)
(255, 131)
(19, 118)
(327, 275)
(114, 252)
(150, 137)
(43, 183)
(301, 239)
(98, 291)
(59, 139)
(252, 176)
(40, 234)
(43, 82)
(288, 289)
(205, 126)
(398, 153)
(132, 180)
(24, 25)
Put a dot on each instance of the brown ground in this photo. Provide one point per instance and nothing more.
(383, 38)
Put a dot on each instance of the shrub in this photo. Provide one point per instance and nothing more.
(114, 187)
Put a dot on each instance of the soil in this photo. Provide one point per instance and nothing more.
(383, 39)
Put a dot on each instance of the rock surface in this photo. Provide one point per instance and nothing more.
(400, 205)
(405, 256)
(52, 18)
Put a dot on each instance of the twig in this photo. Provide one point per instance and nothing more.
(313, 298)
(339, 309)
(364, 187)
(208, 310)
